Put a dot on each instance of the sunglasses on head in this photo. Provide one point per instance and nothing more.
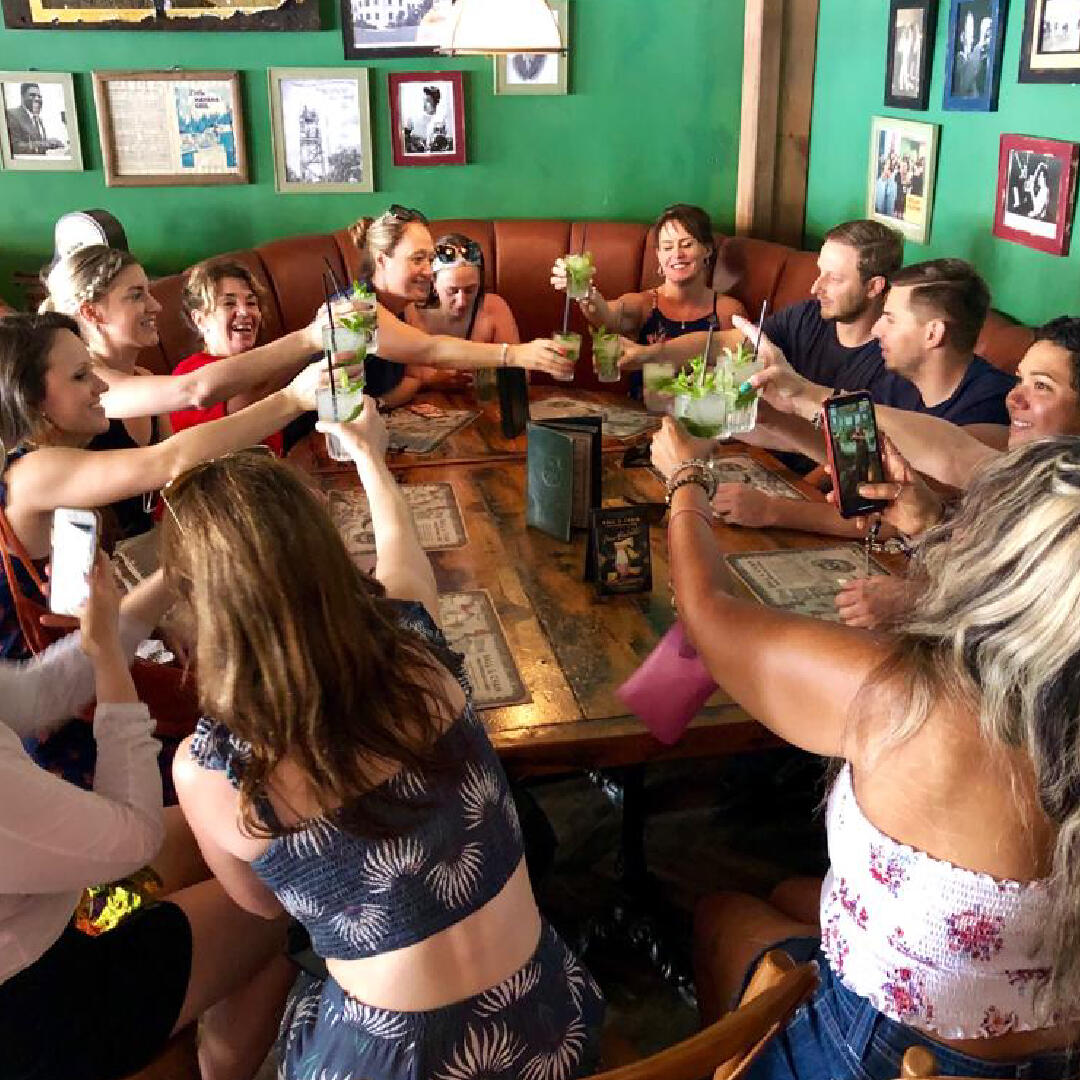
(406, 213)
(448, 254)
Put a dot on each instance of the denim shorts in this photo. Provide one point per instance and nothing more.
(541, 1023)
(838, 1035)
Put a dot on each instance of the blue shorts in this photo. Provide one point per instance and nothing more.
(839, 1035)
(542, 1023)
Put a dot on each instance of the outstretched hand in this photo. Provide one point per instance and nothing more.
(543, 354)
(780, 384)
(673, 445)
(364, 437)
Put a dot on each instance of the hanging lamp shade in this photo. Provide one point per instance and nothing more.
(500, 26)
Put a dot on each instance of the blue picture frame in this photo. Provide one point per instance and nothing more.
(973, 51)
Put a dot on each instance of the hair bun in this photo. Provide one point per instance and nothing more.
(358, 231)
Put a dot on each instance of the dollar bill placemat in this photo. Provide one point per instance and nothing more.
(434, 508)
(741, 469)
(804, 581)
(472, 627)
(620, 421)
(418, 429)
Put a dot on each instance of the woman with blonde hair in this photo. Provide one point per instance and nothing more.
(950, 917)
(396, 255)
(343, 775)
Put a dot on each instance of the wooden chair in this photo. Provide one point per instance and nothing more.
(178, 1060)
(725, 1049)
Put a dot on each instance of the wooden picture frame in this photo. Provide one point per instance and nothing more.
(973, 54)
(196, 127)
(1050, 50)
(389, 28)
(1036, 192)
(902, 168)
(910, 54)
(44, 136)
(427, 115)
(541, 73)
(321, 119)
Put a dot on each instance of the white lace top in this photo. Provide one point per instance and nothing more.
(930, 944)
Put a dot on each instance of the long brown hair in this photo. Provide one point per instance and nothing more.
(299, 653)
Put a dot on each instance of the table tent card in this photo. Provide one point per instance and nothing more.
(619, 558)
(806, 581)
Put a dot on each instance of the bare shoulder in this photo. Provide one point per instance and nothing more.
(726, 307)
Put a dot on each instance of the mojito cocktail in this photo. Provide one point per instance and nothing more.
(606, 350)
(571, 343)
(579, 275)
(345, 403)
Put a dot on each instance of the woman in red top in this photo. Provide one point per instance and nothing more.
(222, 302)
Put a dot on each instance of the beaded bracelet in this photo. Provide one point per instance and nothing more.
(696, 471)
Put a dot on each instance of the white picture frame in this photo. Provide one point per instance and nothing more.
(45, 140)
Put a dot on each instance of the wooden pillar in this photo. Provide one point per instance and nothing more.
(779, 45)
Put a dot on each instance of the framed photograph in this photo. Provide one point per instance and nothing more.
(185, 15)
(391, 27)
(1036, 192)
(900, 188)
(38, 126)
(973, 54)
(1050, 52)
(427, 113)
(539, 73)
(322, 130)
(162, 128)
(911, 50)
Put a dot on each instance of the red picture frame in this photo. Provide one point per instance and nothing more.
(427, 117)
(1036, 192)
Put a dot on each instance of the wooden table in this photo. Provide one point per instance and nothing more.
(573, 648)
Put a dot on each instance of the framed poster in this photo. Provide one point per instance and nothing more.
(540, 73)
(39, 129)
(910, 53)
(1050, 51)
(973, 54)
(391, 27)
(427, 112)
(900, 185)
(187, 15)
(163, 128)
(1036, 192)
(322, 130)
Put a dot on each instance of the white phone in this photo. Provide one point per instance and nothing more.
(74, 545)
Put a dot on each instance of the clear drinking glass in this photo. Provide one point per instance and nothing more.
(606, 350)
(741, 412)
(348, 341)
(344, 404)
(571, 342)
(704, 416)
(652, 376)
(579, 275)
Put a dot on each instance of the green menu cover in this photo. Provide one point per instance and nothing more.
(562, 474)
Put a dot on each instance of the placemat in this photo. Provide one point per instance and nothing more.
(740, 469)
(472, 627)
(418, 429)
(620, 421)
(435, 512)
(805, 581)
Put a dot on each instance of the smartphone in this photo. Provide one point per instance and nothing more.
(74, 545)
(851, 437)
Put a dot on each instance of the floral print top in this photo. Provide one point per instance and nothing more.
(945, 949)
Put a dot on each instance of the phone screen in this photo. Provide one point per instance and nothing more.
(74, 542)
(856, 451)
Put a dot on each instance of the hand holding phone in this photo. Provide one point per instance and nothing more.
(854, 447)
(74, 545)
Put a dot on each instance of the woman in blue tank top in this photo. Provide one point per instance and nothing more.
(345, 778)
(686, 301)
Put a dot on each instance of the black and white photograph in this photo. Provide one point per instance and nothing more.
(1036, 192)
(426, 111)
(322, 130)
(392, 27)
(536, 73)
(910, 53)
(973, 55)
(40, 129)
(1060, 28)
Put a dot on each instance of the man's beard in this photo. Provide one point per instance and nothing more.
(853, 312)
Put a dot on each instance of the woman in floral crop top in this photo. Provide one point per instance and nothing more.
(950, 916)
(345, 778)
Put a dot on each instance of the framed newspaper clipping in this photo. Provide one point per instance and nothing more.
(162, 128)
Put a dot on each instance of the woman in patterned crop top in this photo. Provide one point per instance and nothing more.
(346, 778)
(950, 916)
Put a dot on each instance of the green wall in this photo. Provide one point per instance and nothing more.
(652, 117)
(849, 89)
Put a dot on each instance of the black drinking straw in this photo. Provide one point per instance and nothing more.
(333, 276)
(333, 346)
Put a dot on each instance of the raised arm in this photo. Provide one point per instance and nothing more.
(797, 676)
(676, 351)
(57, 476)
(401, 565)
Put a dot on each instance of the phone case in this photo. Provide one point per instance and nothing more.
(862, 506)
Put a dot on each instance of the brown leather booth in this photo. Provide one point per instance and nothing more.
(518, 256)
